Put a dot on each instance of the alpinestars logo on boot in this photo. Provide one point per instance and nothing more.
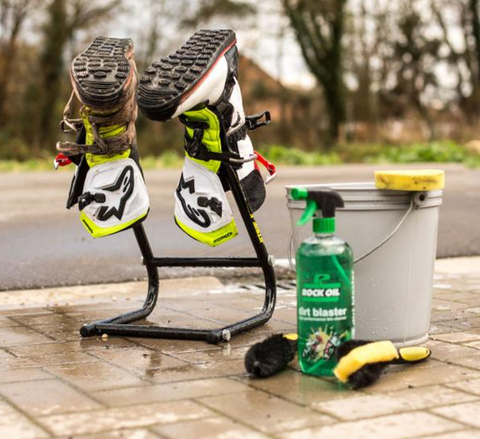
(198, 216)
(125, 184)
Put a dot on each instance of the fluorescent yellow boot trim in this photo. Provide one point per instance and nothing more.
(96, 159)
(99, 232)
(105, 131)
(211, 135)
(376, 352)
(214, 238)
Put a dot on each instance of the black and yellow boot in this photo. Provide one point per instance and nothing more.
(108, 185)
(198, 83)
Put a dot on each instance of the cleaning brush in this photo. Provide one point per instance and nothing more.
(360, 362)
(271, 355)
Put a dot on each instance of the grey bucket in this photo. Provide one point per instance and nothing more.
(393, 235)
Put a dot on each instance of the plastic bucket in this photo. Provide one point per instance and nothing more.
(393, 235)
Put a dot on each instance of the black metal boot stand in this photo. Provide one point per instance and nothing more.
(120, 325)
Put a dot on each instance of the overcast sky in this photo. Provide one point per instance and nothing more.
(258, 37)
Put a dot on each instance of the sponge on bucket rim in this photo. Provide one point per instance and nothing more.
(410, 180)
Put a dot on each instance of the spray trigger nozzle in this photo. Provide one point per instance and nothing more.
(325, 200)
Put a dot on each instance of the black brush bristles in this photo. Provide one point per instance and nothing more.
(270, 356)
(366, 375)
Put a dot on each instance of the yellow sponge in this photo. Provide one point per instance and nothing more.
(414, 180)
(376, 352)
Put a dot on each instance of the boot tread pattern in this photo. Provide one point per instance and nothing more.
(102, 71)
(167, 82)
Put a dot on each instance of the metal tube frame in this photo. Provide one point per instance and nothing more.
(120, 325)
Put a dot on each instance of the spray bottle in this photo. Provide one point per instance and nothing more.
(325, 294)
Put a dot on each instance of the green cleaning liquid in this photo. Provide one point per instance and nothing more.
(325, 294)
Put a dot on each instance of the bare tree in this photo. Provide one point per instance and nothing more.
(416, 56)
(319, 28)
(12, 17)
(64, 18)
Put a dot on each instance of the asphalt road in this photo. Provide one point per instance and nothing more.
(43, 244)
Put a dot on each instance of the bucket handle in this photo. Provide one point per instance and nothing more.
(417, 200)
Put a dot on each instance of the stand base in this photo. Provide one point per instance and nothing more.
(120, 325)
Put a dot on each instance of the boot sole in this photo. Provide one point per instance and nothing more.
(169, 82)
(102, 72)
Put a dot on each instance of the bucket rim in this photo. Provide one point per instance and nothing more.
(368, 188)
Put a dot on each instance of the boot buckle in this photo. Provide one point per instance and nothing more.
(254, 121)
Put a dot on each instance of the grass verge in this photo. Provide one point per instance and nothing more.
(434, 152)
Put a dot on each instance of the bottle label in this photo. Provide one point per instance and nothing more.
(325, 318)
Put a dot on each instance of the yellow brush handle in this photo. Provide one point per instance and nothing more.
(375, 352)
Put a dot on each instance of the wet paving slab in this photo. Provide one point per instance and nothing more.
(55, 384)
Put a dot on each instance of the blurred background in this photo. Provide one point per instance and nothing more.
(345, 80)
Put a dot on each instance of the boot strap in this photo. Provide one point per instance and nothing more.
(126, 115)
(196, 149)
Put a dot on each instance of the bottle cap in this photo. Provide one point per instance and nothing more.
(324, 225)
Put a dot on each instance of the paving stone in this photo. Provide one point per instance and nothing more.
(6, 322)
(13, 425)
(13, 362)
(446, 351)
(278, 326)
(95, 376)
(221, 315)
(46, 397)
(457, 337)
(60, 333)
(196, 371)
(224, 354)
(447, 305)
(169, 392)
(472, 362)
(11, 313)
(425, 397)
(125, 417)
(401, 426)
(210, 428)
(368, 406)
(177, 346)
(470, 386)
(51, 318)
(300, 388)
(468, 413)
(22, 375)
(243, 303)
(138, 358)
(463, 323)
(137, 433)
(457, 296)
(473, 344)
(5, 355)
(437, 328)
(465, 434)
(20, 335)
(446, 316)
(265, 412)
(68, 357)
(413, 376)
(79, 345)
